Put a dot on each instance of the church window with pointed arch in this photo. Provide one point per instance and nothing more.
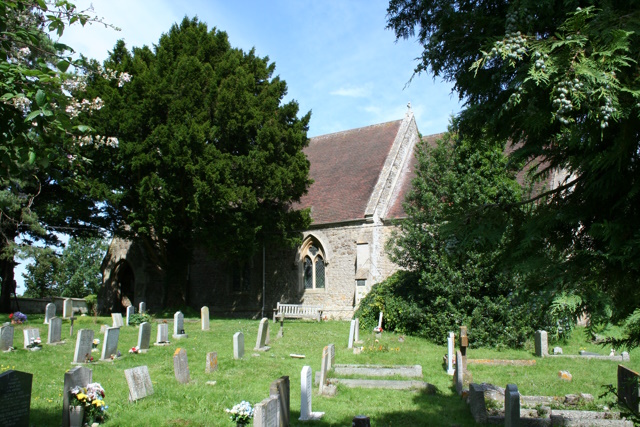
(313, 267)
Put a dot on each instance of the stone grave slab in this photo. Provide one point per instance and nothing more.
(181, 365)
(30, 335)
(55, 331)
(84, 344)
(163, 334)
(144, 337)
(204, 318)
(110, 344)
(67, 308)
(15, 398)
(6, 338)
(386, 384)
(117, 320)
(306, 388)
(130, 312)
(541, 344)
(139, 383)
(263, 331)
(238, 345)
(281, 389)
(266, 413)
(407, 371)
(178, 326)
(78, 376)
(49, 312)
(211, 363)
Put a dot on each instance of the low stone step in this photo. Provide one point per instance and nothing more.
(407, 371)
(388, 384)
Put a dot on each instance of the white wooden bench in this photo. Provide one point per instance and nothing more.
(297, 311)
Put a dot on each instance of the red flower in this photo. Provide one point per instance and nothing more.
(11, 316)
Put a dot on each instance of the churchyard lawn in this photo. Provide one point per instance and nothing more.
(198, 403)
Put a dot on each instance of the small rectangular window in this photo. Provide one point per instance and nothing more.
(361, 282)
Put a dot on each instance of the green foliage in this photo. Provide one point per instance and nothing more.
(40, 278)
(92, 303)
(137, 318)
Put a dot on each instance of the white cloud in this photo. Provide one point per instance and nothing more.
(353, 92)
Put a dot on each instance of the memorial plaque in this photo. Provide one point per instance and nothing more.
(55, 330)
(110, 344)
(238, 345)
(15, 398)
(84, 344)
(204, 318)
(144, 336)
(139, 383)
(75, 377)
(181, 365)
(49, 312)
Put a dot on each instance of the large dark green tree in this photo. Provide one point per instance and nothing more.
(561, 79)
(208, 154)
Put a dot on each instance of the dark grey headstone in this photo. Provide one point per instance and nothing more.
(84, 344)
(144, 336)
(628, 387)
(75, 377)
(139, 383)
(55, 330)
(511, 406)
(15, 398)
(282, 389)
(181, 365)
(6, 337)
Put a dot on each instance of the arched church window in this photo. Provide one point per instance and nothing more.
(313, 268)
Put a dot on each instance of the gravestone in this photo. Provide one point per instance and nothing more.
(281, 388)
(628, 387)
(266, 413)
(139, 383)
(459, 373)
(464, 343)
(6, 338)
(144, 336)
(212, 362)
(542, 344)
(511, 406)
(450, 345)
(361, 421)
(356, 332)
(178, 326)
(238, 345)
(15, 398)
(130, 312)
(380, 322)
(204, 318)
(163, 334)
(142, 307)
(117, 320)
(181, 365)
(30, 335)
(67, 308)
(352, 332)
(55, 330)
(74, 377)
(110, 344)
(324, 368)
(263, 330)
(84, 343)
(332, 356)
(49, 312)
(305, 396)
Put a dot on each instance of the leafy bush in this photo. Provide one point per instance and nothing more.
(137, 318)
(92, 304)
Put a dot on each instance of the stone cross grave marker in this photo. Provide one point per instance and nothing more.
(305, 396)
(84, 343)
(356, 332)
(117, 320)
(459, 373)
(511, 406)
(6, 337)
(130, 312)
(266, 413)
(55, 330)
(163, 334)
(281, 389)
(178, 326)
(30, 335)
(263, 330)
(49, 312)
(450, 346)
(212, 362)
(67, 308)
(110, 344)
(542, 344)
(628, 387)
(332, 356)
(204, 318)
(142, 307)
(74, 377)
(181, 365)
(238, 345)
(71, 320)
(352, 331)
(464, 343)
(15, 398)
(139, 383)
(144, 336)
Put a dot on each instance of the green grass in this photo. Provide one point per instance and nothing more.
(198, 404)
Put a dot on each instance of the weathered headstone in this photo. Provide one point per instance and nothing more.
(181, 365)
(352, 332)
(163, 334)
(356, 332)
(332, 356)
(450, 344)
(281, 388)
(117, 320)
(130, 312)
(6, 338)
(55, 330)
(212, 362)
(305, 396)
(263, 330)
(628, 388)
(71, 320)
(541, 344)
(110, 344)
(84, 343)
(511, 406)
(266, 413)
(30, 335)
(67, 308)
(142, 307)
(324, 368)
(74, 377)
(49, 312)
(178, 326)
(459, 373)
(464, 343)
(15, 398)
(139, 383)
(238, 345)
(204, 318)
(144, 336)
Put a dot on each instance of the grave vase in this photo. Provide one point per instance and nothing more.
(76, 415)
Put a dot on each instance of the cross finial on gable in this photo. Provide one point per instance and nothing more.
(408, 108)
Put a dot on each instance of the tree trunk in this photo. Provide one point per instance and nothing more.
(7, 267)
(177, 274)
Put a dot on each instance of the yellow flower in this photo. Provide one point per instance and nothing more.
(81, 396)
(98, 403)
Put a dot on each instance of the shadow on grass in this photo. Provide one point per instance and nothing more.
(45, 417)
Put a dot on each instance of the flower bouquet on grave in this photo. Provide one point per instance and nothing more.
(91, 399)
(34, 344)
(95, 344)
(88, 358)
(241, 413)
(134, 350)
(17, 318)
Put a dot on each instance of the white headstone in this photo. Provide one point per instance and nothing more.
(356, 332)
(263, 330)
(163, 334)
(238, 345)
(352, 331)
(324, 368)
(84, 343)
(130, 312)
(110, 344)
(178, 325)
(139, 383)
(67, 308)
(380, 321)
(204, 318)
(49, 312)
(6, 337)
(30, 335)
(181, 365)
(541, 344)
(305, 396)
(117, 320)
(74, 377)
(266, 413)
(144, 336)
(142, 307)
(450, 344)
(55, 330)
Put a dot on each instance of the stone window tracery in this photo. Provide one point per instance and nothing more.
(313, 267)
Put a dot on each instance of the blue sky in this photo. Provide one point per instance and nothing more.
(336, 56)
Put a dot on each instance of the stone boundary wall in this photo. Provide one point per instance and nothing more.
(38, 305)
